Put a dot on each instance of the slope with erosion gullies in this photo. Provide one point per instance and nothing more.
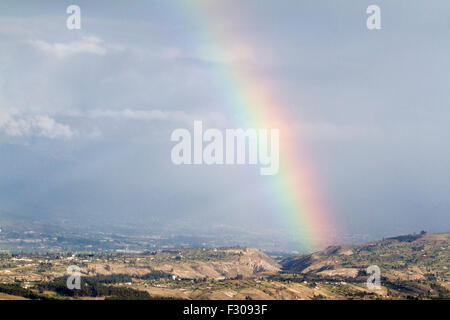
(221, 263)
(244, 263)
(410, 258)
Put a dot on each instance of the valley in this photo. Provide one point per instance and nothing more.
(412, 267)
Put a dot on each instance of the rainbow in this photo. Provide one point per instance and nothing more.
(254, 100)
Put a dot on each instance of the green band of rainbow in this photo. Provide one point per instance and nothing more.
(254, 100)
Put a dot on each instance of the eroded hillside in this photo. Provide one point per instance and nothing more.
(412, 266)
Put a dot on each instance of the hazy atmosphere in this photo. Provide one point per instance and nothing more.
(86, 115)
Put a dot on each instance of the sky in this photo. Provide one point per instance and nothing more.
(86, 115)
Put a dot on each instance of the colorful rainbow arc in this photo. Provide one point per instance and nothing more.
(295, 188)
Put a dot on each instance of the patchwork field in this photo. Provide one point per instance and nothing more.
(411, 266)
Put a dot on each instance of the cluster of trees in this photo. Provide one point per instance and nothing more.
(113, 278)
(97, 286)
(91, 288)
(154, 275)
(16, 290)
(408, 237)
(124, 278)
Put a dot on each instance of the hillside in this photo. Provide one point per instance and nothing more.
(411, 260)
(197, 263)
(412, 267)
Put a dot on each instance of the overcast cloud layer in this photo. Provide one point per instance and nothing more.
(86, 115)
